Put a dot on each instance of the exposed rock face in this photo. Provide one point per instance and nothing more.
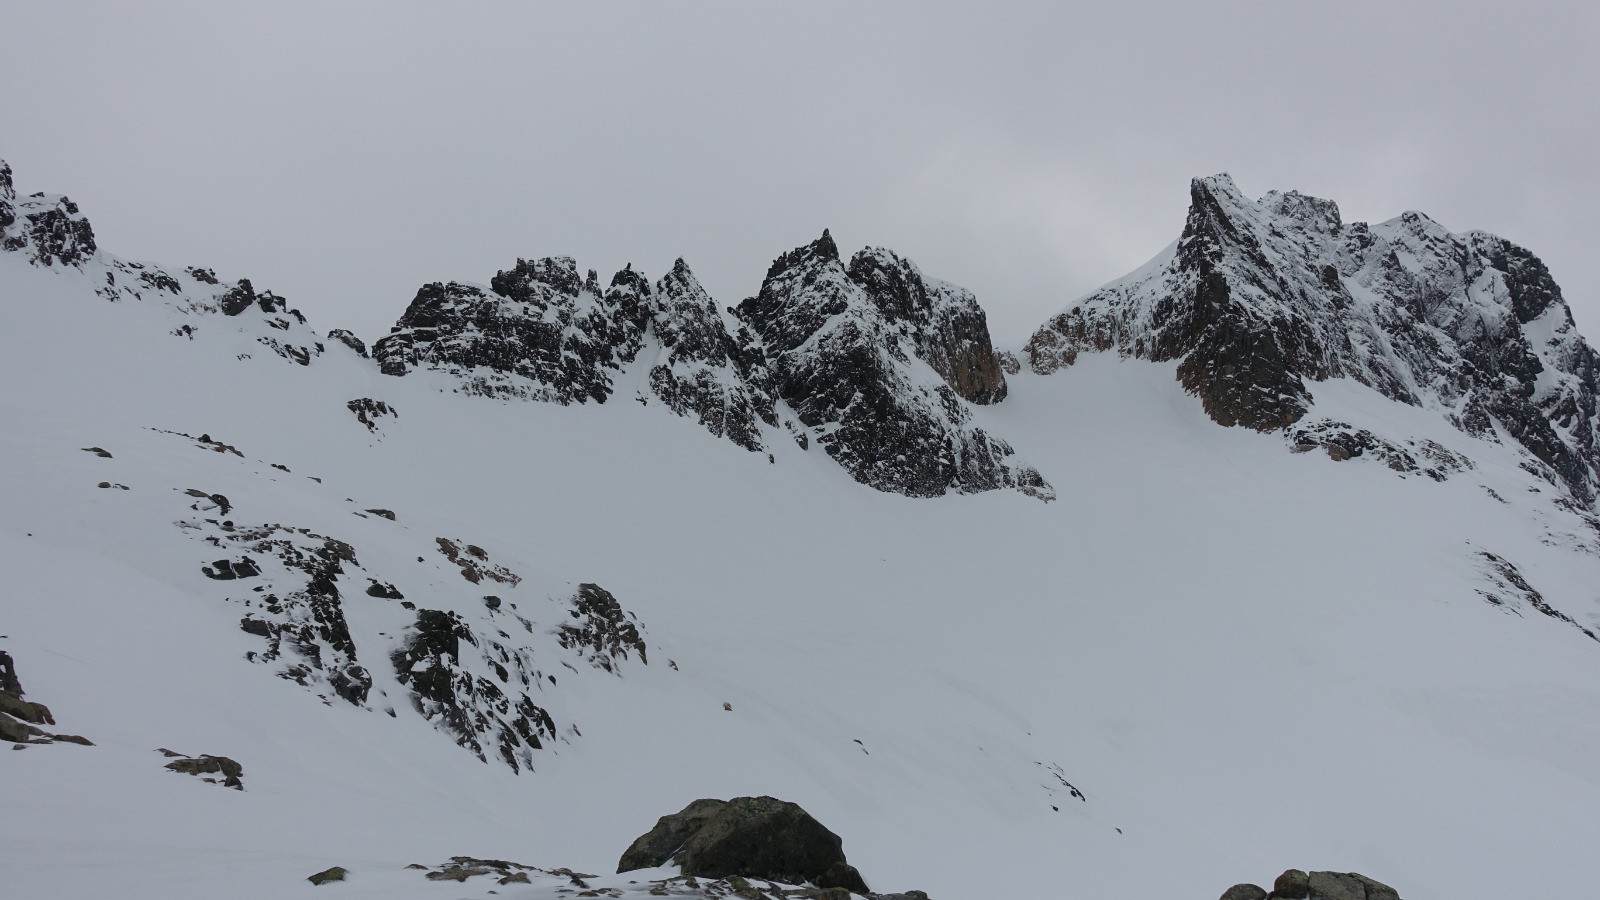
(370, 412)
(660, 844)
(701, 369)
(49, 228)
(1342, 441)
(215, 769)
(752, 837)
(601, 630)
(1506, 588)
(300, 612)
(852, 375)
(541, 332)
(1347, 886)
(1295, 884)
(942, 322)
(1260, 299)
(348, 338)
(474, 708)
(883, 387)
(20, 718)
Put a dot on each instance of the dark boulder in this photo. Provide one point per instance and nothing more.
(752, 837)
(1291, 885)
(337, 873)
(1244, 892)
(215, 769)
(657, 846)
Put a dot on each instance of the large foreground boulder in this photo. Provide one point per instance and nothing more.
(1296, 884)
(754, 837)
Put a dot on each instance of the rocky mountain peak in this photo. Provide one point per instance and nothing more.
(876, 360)
(869, 358)
(1260, 300)
(553, 278)
(49, 227)
(943, 322)
(820, 251)
(1311, 212)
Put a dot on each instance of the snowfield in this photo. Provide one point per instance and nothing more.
(1243, 659)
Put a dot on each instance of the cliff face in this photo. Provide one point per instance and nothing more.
(846, 356)
(1259, 300)
(873, 362)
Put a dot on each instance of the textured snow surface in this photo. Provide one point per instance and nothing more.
(1244, 659)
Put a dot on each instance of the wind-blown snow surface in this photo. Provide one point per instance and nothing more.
(1245, 659)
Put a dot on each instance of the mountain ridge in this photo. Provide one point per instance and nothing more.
(1209, 657)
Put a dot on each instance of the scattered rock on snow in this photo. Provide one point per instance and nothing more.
(212, 769)
(337, 873)
(369, 411)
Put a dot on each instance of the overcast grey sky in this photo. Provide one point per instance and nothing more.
(343, 153)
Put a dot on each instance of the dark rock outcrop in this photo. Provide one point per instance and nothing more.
(348, 338)
(882, 387)
(299, 613)
(1293, 884)
(1258, 300)
(701, 369)
(1296, 884)
(752, 837)
(602, 630)
(1510, 591)
(852, 375)
(942, 322)
(370, 412)
(472, 708)
(660, 844)
(327, 876)
(49, 228)
(214, 769)
(1346, 886)
(20, 718)
(540, 332)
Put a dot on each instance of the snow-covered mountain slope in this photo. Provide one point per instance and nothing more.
(1258, 300)
(1208, 660)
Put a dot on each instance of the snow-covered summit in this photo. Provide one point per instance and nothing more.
(49, 228)
(852, 353)
(876, 363)
(1260, 300)
(49, 232)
